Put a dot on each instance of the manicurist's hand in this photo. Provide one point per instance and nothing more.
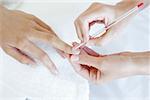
(104, 14)
(18, 30)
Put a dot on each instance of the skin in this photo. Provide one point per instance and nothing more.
(104, 68)
(18, 30)
(104, 14)
(101, 69)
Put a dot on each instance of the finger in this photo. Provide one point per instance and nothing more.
(40, 28)
(39, 54)
(86, 59)
(89, 73)
(77, 46)
(83, 30)
(90, 51)
(106, 21)
(79, 34)
(19, 56)
(41, 23)
(95, 20)
(62, 54)
(83, 71)
(54, 41)
(87, 50)
(93, 74)
(106, 36)
(98, 77)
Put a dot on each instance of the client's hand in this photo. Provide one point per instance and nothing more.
(18, 30)
(101, 69)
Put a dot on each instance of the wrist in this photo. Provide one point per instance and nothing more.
(123, 63)
(139, 62)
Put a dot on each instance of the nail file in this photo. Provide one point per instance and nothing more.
(125, 15)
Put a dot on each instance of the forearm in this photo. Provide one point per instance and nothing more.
(126, 64)
(139, 63)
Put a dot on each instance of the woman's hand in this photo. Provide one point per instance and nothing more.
(18, 30)
(103, 68)
(102, 14)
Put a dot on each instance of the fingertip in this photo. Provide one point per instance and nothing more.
(33, 65)
(54, 70)
(50, 65)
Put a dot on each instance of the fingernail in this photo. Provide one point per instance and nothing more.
(75, 51)
(75, 58)
(54, 70)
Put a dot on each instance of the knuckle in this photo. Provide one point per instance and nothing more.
(67, 48)
(32, 23)
(50, 37)
(78, 20)
(21, 43)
